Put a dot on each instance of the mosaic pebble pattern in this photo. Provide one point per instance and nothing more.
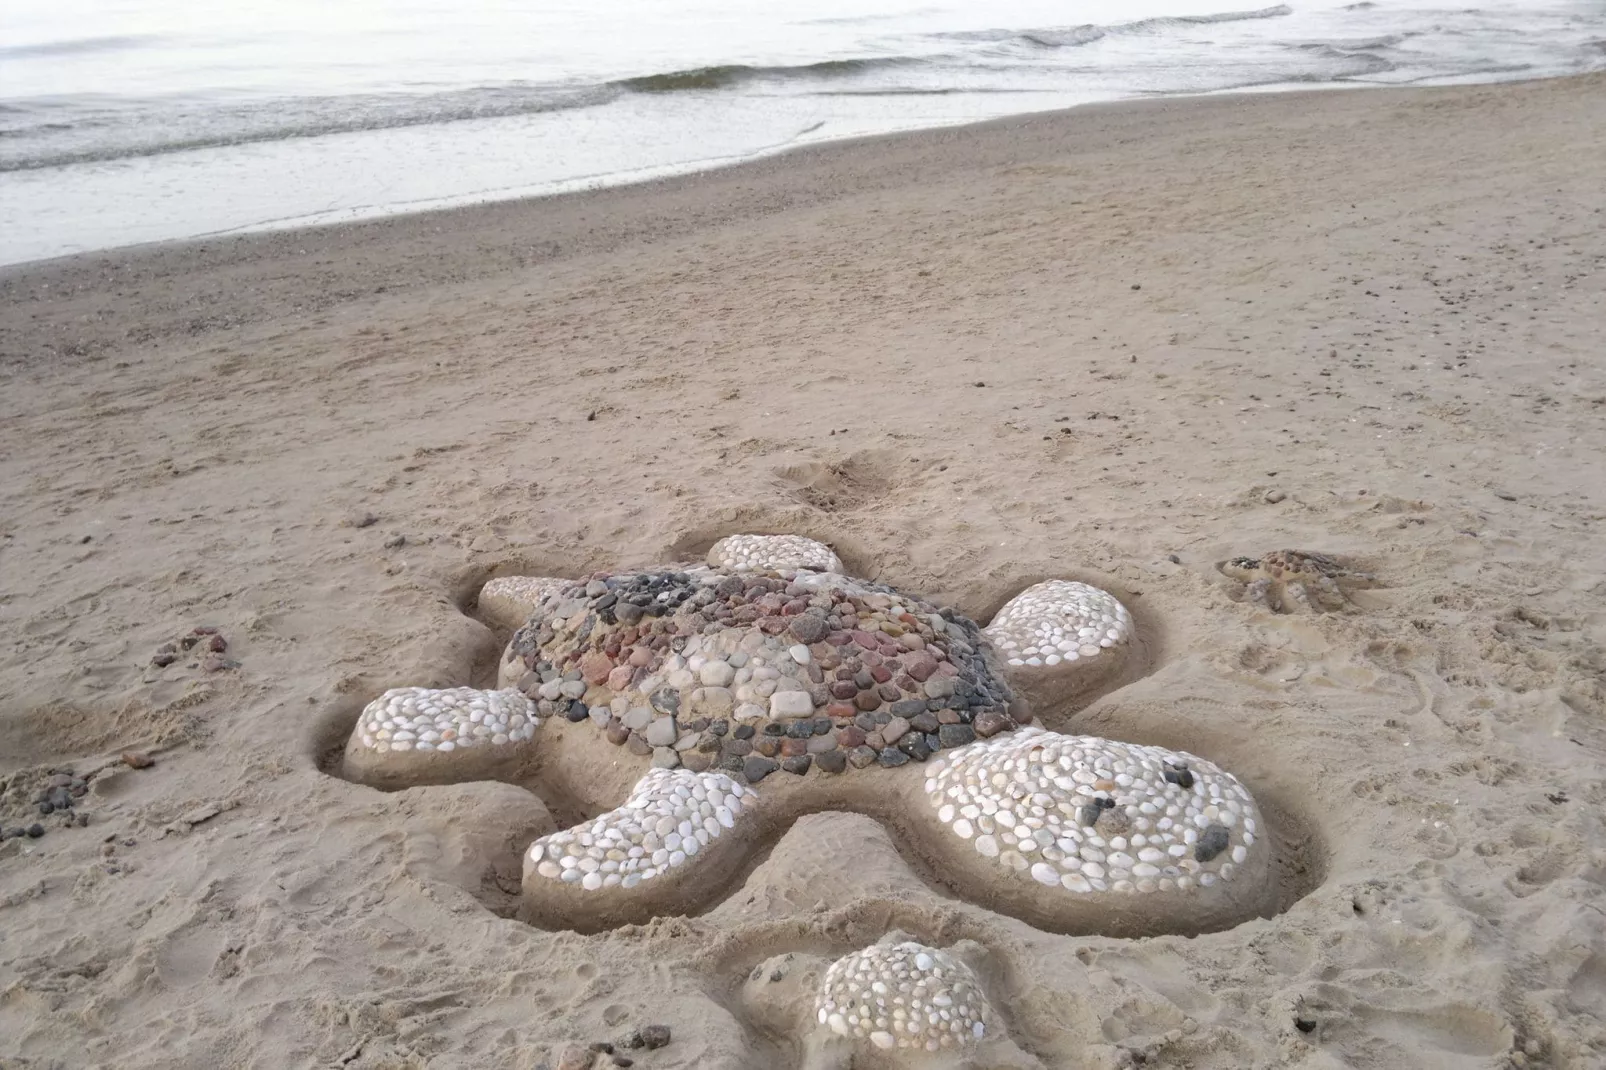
(525, 592)
(1090, 815)
(763, 553)
(751, 672)
(1059, 622)
(670, 816)
(903, 995)
(445, 719)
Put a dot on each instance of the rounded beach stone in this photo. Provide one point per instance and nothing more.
(508, 601)
(673, 840)
(1059, 638)
(1125, 829)
(420, 735)
(906, 996)
(764, 553)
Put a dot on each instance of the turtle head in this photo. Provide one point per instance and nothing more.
(781, 990)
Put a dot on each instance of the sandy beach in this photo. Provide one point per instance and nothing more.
(1121, 344)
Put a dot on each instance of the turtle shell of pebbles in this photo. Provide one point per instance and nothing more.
(750, 672)
(904, 995)
(1084, 815)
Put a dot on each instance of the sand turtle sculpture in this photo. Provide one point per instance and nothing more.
(1295, 581)
(897, 1003)
(749, 695)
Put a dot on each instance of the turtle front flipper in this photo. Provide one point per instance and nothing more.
(1060, 639)
(422, 735)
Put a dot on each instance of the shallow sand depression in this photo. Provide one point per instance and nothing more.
(1120, 347)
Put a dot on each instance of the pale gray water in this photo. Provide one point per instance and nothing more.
(125, 121)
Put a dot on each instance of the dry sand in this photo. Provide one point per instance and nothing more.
(1369, 323)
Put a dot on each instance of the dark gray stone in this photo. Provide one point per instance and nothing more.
(1215, 840)
(755, 768)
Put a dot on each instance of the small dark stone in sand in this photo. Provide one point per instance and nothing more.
(798, 764)
(654, 1036)
(35, 831)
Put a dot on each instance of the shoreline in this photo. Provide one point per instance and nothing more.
(512, 230)
(1123, 345)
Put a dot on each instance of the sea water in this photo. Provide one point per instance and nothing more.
(126, 121)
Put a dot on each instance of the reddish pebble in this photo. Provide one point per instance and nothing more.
(864, 639)
(595, 666)
(881, 674)
(137, 760)
(841, 709)
(619, 678)
(850, 736)
(991, 722)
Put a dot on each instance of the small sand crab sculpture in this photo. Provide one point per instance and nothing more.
(765, 684)
(896, 1003)
(1295, 581)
